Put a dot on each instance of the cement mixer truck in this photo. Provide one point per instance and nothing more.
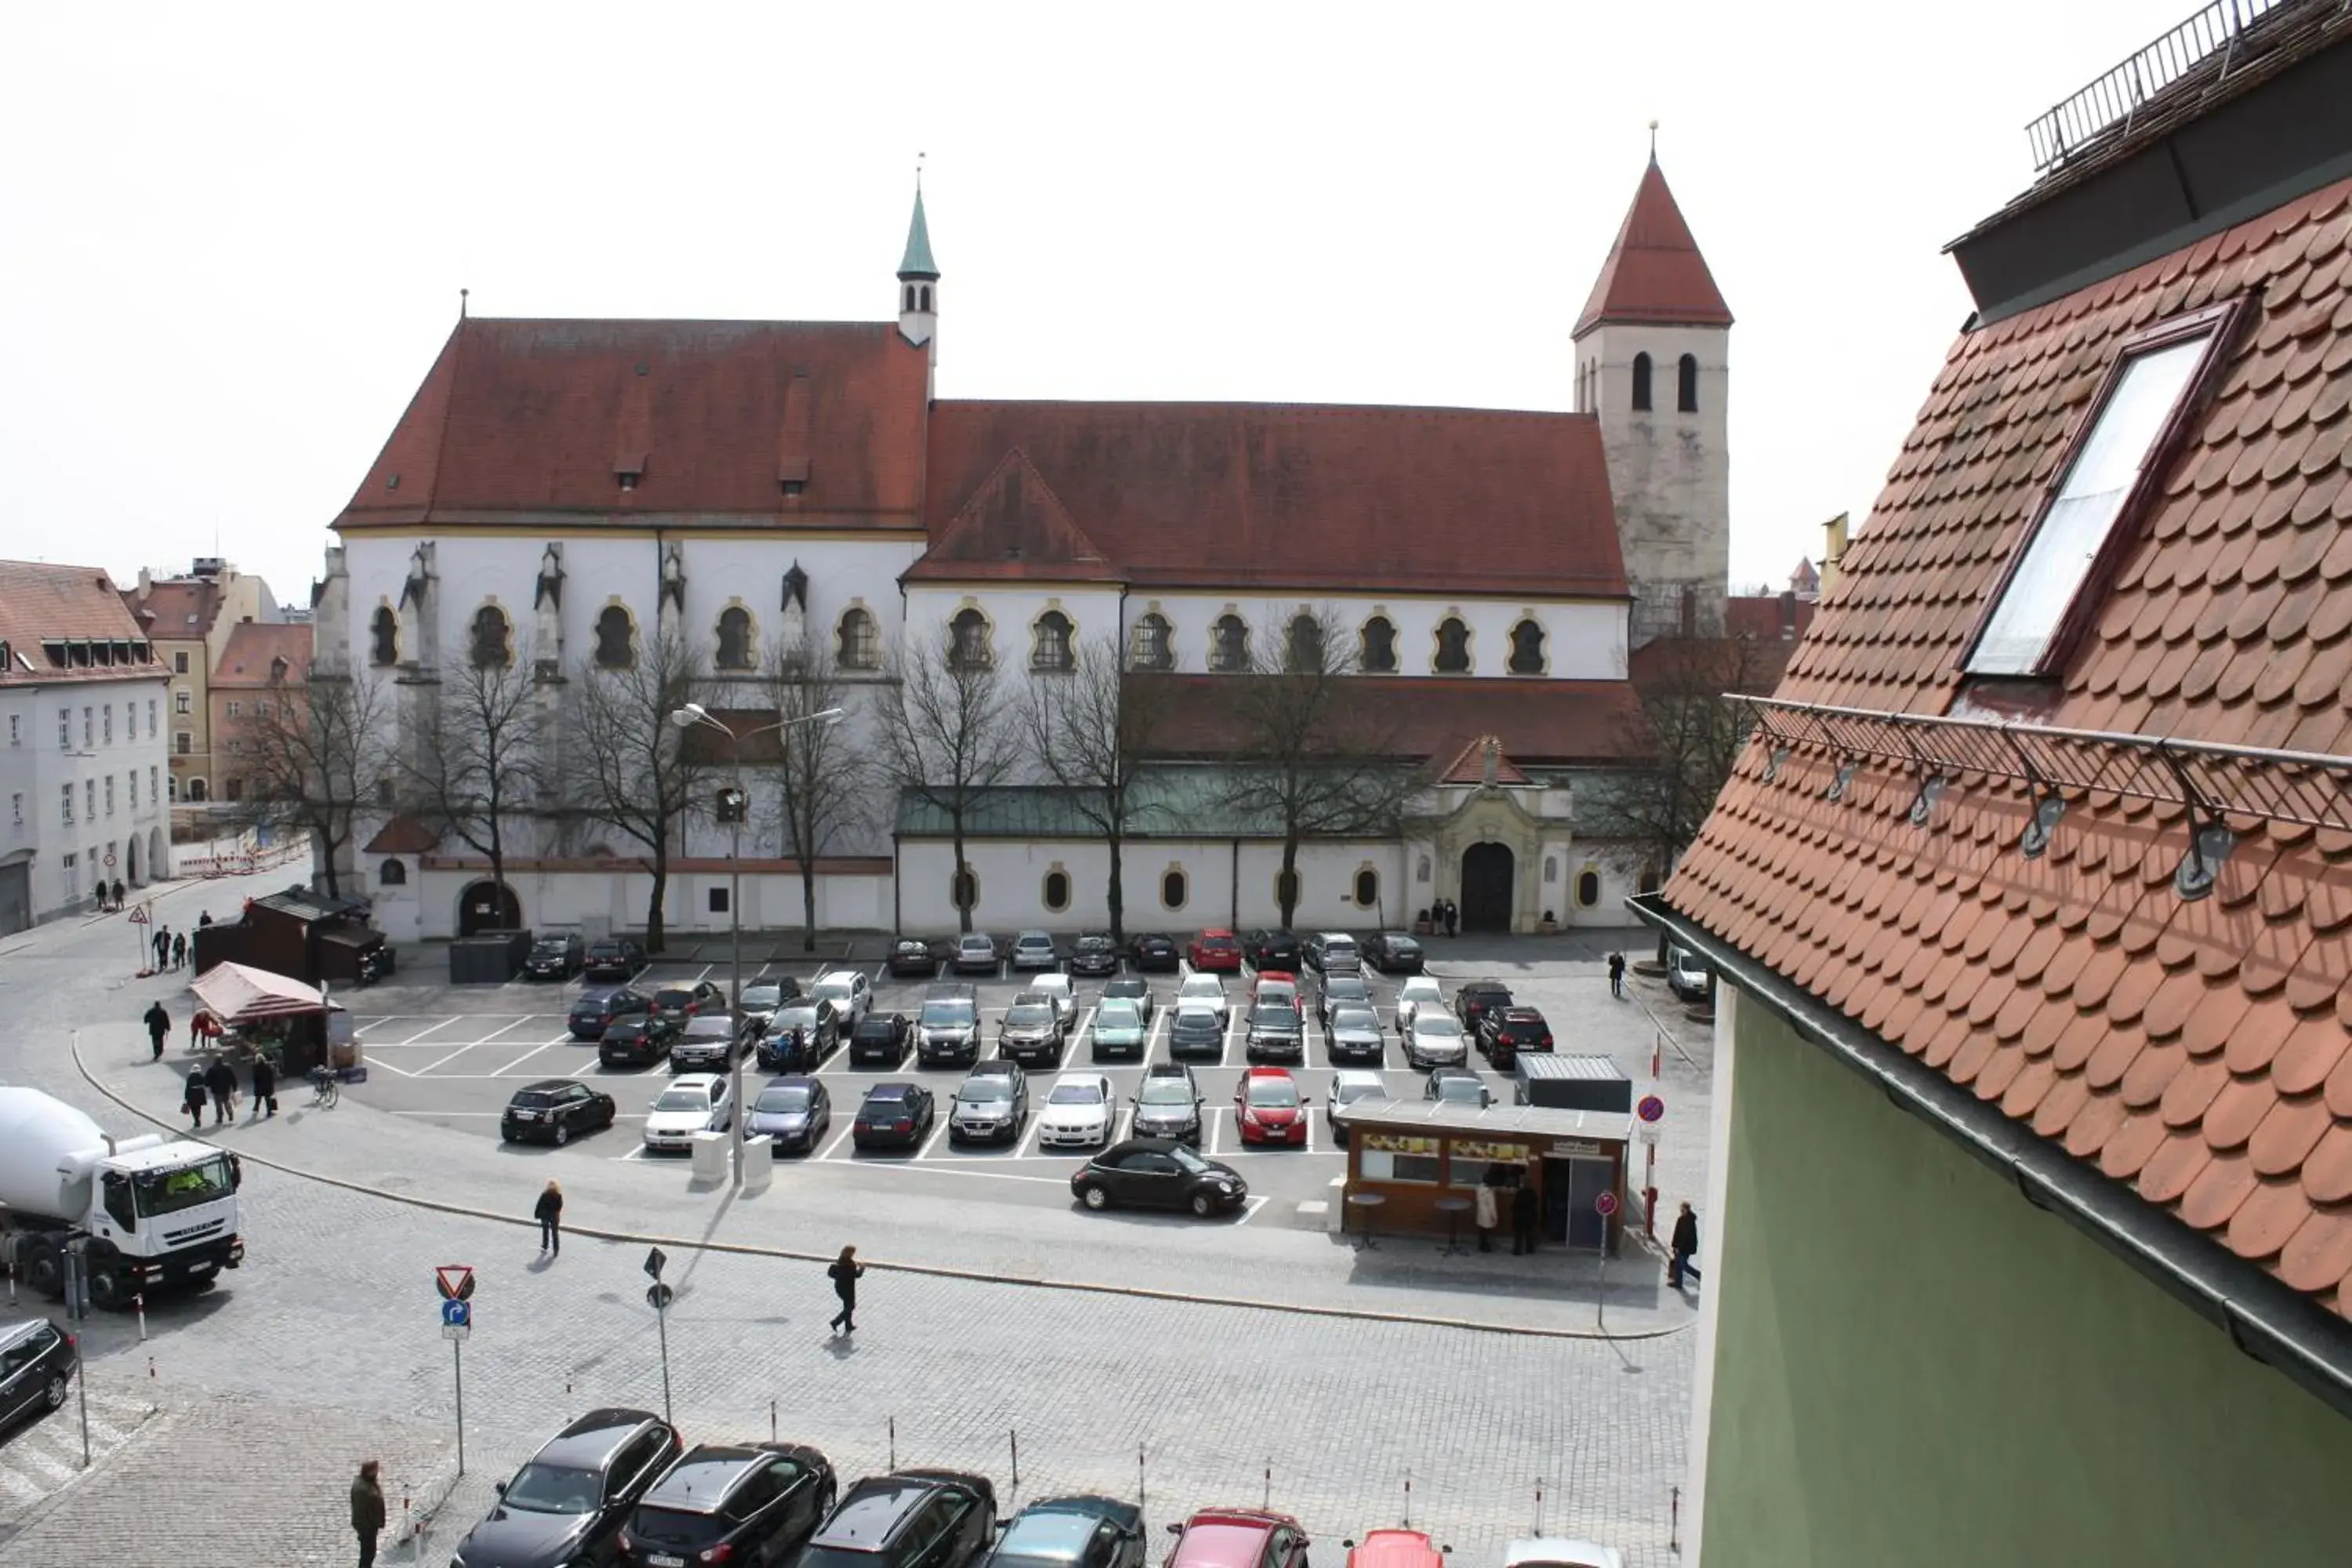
(150, 1211)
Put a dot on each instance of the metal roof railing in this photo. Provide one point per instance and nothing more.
(2115, 96)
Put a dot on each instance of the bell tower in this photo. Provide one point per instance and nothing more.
(919, 283)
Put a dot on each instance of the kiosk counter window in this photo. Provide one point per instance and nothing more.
(1397, 1157)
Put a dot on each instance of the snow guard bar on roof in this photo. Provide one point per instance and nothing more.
(2116, 97)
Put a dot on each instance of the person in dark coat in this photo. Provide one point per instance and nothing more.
(204, 919)
(221, 1078)
(548, 1211)
(1617, 974)
(367, 1511)
(195, 1096)
(1453, 918)
(1523, 1220)
(161, 941)
(1685, 1247)
(844, 1272)
(117, 890)
(265, 1087)
(179, 950)
(159, 1025)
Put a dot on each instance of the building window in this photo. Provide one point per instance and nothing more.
(1399, 1157)
(17, 807)
(1368, 888)
(108, 726)
(926, 296)
(65, 729)
(383, 793)
(16, 729)
(1174, 888)
(1526, 649)
(616, 638)
(1687, 385)
(1149, 645)
(151, 731)
(1379, 655)
(151, 775)
(384, 639)
(910, 297)
(1641, 384)
(1229, 644)
(196, 791)
(89, 799)
(718, 901)
(1453, 646)
(1588, 889)
(67, 805)
(236, 709)
(391, 874)
(109, 795)
(968, 643)
(1058, 890)
(180, 664)
(2115, 455)
(963, 890)
(1302, 645)
(860, 642)
(1049, 643)
(735, 637)
(183, 742)
(88, 729)
(492, 640)
(182, 703)
(236, 789)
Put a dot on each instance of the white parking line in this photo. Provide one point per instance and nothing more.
(1250, 1208)
(848, 1130)
(549, 1045)
(939, 1131)
(421, 1033)
(964, 1168)
(485, 1041)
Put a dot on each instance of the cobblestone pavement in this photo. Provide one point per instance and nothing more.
(41, 1456)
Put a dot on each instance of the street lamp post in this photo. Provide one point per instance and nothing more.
(734, 805)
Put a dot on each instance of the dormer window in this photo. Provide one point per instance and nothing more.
(628, 468)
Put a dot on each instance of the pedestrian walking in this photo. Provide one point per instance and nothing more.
(162, 944)
(159, 1025)
(1523, 1220)
(1487, 1215)
(179, 950)
(1453, 918)
(117, 892)
(221, 1078)
(1685, 1247)
(265, 1088)
(367, 1510)
(549, 1211)
(193, 1097)
(1617, 974)
(204, 919)
(844, 1271)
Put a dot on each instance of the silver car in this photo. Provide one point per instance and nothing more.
(1349, 1085)
(1435, 1040)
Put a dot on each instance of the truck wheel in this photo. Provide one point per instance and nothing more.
(45, 1271)
(106, 1291)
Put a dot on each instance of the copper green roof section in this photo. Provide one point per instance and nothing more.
(918, 262)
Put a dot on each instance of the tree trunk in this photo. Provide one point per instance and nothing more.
(956, 883)
(1288, 880)
(1118, 890)
(334, 849)
(808, 904)
(654, 901)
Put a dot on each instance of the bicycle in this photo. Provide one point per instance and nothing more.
(326, 1089)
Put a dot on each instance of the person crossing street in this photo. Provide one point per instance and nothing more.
(844, 1271)
(159, 1026)
(367, 1510)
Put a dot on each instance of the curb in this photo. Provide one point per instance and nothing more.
(930, 1271)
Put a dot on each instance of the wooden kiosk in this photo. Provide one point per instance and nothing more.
(1413, 1153)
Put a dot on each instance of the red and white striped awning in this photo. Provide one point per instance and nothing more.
(239, 994)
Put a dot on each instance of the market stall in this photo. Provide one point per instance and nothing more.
(255, 1012)
(1411, 1155)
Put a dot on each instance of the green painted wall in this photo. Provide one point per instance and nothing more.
(1913, 1366)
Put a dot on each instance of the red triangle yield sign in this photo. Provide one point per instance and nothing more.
(456, 1280)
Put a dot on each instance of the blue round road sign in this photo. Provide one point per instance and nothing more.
(456, 1314)
(1651, 1108)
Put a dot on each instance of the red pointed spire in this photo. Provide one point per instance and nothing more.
(1655, 272)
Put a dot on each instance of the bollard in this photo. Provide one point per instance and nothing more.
(1268, 1503)
(139, 1303)
(1408, 1499)
(772, 1420)
(1539, 1529)
(151, 1366)
(894, 1442)
(1014, 1433)
(1675, 1525)
(1139, 1475)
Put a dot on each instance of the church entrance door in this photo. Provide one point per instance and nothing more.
(1488, 872)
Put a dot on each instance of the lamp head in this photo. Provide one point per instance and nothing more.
(685, 718)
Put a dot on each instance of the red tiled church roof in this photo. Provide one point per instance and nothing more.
(1655, 272)
(2198, 1052)
(1469, 765)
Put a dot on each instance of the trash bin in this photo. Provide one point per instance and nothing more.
(710, 1156)
(759, 1163)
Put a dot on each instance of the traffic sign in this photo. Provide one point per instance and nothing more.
(455, 1281)
(658, 1296)
(654, 1262)
(139, 915)
(1647, 1133)
(109, 859)
(1605, 1204)
(1652, 1108)
(458, 1332)
(456, 1314)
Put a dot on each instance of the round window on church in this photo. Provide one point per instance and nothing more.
(1174, 890)
(1057, 891)
(1368, 888)
(1588, 889)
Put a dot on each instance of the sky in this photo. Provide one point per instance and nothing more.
(232, 238)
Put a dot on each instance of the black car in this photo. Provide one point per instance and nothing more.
(1155, 952)
(36, 1369)
(706, 1043)
(1352, 1034)
(1393, 952)
(599, 1007)
(1272, 948)
(1031, 1031)
(1159, 1172)
(792, 1113)
(568, 1504)
(1168, 1104)
(555, 1110)
(991, 1105)
(636, 1041)
(881, 1037)
(614, 958)
(909, 1518)
(913, 958)
(947, 1031)
(555, 958)
(803, 1032)
(1276, 1034)
(893, 1116)
(1505, 1032)
(1472, 1001)
(1196, 1032)
(683, 1002)
(765, 998)
(1093, 953)
(753, 1504)
(1073, 1533)
(1340, 991)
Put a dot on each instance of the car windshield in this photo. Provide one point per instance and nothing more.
(834, 990)
(976, 944)
(167, 1191)
(1076, 1094)
(1217, 943)
(799, 1017)
(1094, 944)
(675, 1527)
(946, 1015)
(1420, 990)
(1435, 1024)
(1126, 988)
(985, 1090)
(784, 1097)
(672, 998)
(889, 1100)
(1165, 1091)
(684, 1096)
(1348, 1093)
(1030, 1016)
(531, 1099)
(1275, 1016)
(1465, 1088)
(549, 947)
(1118, 1013)
(608, 950)
(1190, 1161)
(1034, 939)
(914, 945)
(1348, 987)
(1272, 1091)
(1400, 943)
(762, 995)
(1202, 985)
(1355, 1018)
(556, 1488)
(1196, 1021)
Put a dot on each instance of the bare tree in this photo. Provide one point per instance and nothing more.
(1315, 756)
(635, 776)
(824, 784)
(1690, 728)
(476, 760)
(1092, 726)
(309, 758)
(948, 729)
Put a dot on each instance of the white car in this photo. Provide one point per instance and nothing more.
(1205, 989)
(850, 991)
(1057, 986)
(1079, 1111)
(1421, 991)
(694, 1102)
(1434, 1040)
(1559, 1552)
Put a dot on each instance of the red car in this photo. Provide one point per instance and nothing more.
(1395, 1548)
(1215, 949)
(1278, 978)
(1269, 1106)
(1238, 1537)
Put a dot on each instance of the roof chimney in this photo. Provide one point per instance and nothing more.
(1788, 615)
(1833, 550)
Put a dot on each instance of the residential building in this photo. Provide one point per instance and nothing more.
(189, 618)
(260, 664)
(2029, 1236)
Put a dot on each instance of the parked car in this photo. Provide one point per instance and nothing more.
(708, 1043)
(1155, 952)
(1081, 1109)
(694, 1102)
(599, 1007)
(753, 1504)
(555, 958)
(1334, 952)
(800, 1036)
(637, 1040)
(893, 1116)
(1197, 1029)
(614, 958)
(1276, 984)
(37, 1362)
(1034, 950)
(1686, 974)
(555, 1110)
(1135, 989)
(1457, 1086)
(1058, 990)
(975, 954)
(1168, 1104)
(992, 1105)
(569, 1503)
(793, 1113)
(683, 1002)
(1352, 1034)
(1340, 991)
(911, 1519)
(1238, 1537)
(1435, 1040)
(1511, 1030)
(913, 958)
(1093, 954)
(851, 991)
(1421, 991)
(947, 1031)
(1393, 952)
(1272, 948)
(1275, 1033)
(1030, 1032)
(1159, 1172)
(1118, 1030)
(765, 998)
(1072, 1532)
(1395, 1548)
(882, 1038)
(1208, 989)
(1349, 1085)
(1214, 949)
(1559, 1552)
(1472, 1001)
(1269, 1106)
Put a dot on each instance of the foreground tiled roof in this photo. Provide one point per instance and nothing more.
(2198, 1052)
(42, 603)
(1539, 722)
(1654, 272)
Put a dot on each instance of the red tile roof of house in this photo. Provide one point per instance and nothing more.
(1299, 498)
(541, 418)
(1767, 617)
(1469, 765)
(182, 609)
(402, 835)
(41, 603)
(253, 646)
(1655, 272)
(1539, 722)
(2198, 1052)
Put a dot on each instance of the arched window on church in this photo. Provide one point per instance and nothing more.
(1526, 649)
(1377, 653)
(1049, 645)
(1302, 650)
(1453, 646)
(616, 633)
(1687, 385)
(1148, 645)
(1229, 644)
(1642, 384)
(735, 637)
(968, 641)
(927, 295)
(384, 638)
(490, 649)
(910, 296)
(860, 646)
